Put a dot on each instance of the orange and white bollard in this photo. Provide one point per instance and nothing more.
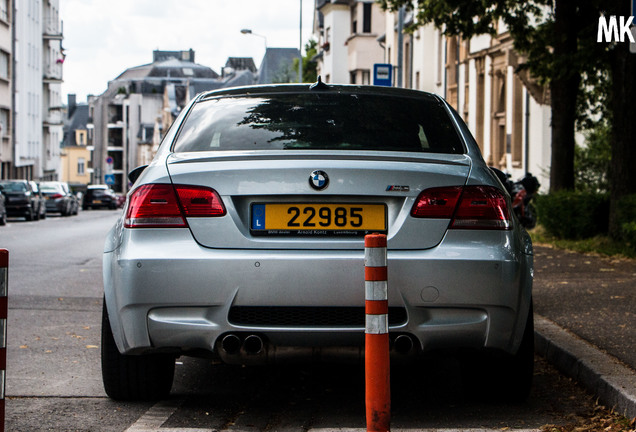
(376, 353)
(4, 290)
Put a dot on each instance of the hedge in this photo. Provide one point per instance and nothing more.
(574, 215)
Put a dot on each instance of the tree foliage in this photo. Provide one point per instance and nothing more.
(309, 64)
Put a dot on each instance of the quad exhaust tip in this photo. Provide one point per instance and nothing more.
(232, 344)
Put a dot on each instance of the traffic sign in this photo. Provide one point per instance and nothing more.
(383, 74)
(109, 179)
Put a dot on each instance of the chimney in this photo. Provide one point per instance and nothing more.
(72, 104)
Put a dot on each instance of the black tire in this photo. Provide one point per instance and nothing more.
(133, 377)
(29, 215)
(3, 219)
(501, 376)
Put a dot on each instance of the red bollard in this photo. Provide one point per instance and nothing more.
(376, 353)
(4, 290)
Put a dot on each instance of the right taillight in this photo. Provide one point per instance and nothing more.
(470, 207)
(167, 206)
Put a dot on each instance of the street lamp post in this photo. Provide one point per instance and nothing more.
(300, 46)
(249, 32)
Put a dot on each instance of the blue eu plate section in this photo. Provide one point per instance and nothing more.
(258, 216)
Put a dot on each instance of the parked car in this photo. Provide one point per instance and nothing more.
(3, 210)
(59, 198)
(40, 213)
(20, 199)
(99, 196)
(244, 239)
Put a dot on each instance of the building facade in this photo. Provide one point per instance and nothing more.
(75, 158)
(505, 109)
(347, 32)
(6, 88)
(126, 122)
(37, 106)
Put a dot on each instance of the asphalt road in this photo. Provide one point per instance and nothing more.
(54, 378)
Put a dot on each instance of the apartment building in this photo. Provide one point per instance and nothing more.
(505, 109)
(37, 106)
(347, 32)
(75, 156)
(125, 123)
(6, 88)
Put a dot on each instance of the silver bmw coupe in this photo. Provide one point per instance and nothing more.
(243, 240)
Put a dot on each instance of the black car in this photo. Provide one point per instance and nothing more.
(20, 199)
(3, 210)
(59, 198)
(99, 196)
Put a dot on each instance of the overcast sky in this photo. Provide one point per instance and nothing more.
(102, 38)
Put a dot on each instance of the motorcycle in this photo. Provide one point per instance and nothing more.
(521, 192)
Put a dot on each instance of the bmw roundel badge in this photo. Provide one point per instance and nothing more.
(319, 180)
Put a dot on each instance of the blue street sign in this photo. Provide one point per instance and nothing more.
(109, 179)
(383, 74)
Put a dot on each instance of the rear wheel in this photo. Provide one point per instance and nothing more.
(133, 377)
(3, 218)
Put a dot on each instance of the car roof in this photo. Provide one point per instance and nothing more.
(319, 86)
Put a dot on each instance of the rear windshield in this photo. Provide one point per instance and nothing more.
(319, 121)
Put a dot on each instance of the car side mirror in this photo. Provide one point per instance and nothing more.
(134, 174)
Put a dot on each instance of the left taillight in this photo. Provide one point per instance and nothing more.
(167, 206)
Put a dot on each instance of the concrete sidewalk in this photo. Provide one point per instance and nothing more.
(585, 322)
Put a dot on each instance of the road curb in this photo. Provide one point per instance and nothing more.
(603, 375)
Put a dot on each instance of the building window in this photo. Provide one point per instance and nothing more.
(4, 65)
(366, 17)
(81, 166)
(4, 10)
(352, 77)
(80, 137)
(4, 123)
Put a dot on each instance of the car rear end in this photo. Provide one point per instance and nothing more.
(57, 200)
(99, 197)
(245, 236)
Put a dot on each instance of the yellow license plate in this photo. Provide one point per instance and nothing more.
(317, 218)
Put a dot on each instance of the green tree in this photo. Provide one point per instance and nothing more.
(309, 65)
(548, 34)
(592, 160)
(558, 39)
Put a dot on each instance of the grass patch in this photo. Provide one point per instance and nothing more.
(598, 244)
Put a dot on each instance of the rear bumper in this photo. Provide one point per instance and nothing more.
(56, 206)
(178, 295)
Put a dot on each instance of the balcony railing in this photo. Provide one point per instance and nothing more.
(53, 29)
(52, 73)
